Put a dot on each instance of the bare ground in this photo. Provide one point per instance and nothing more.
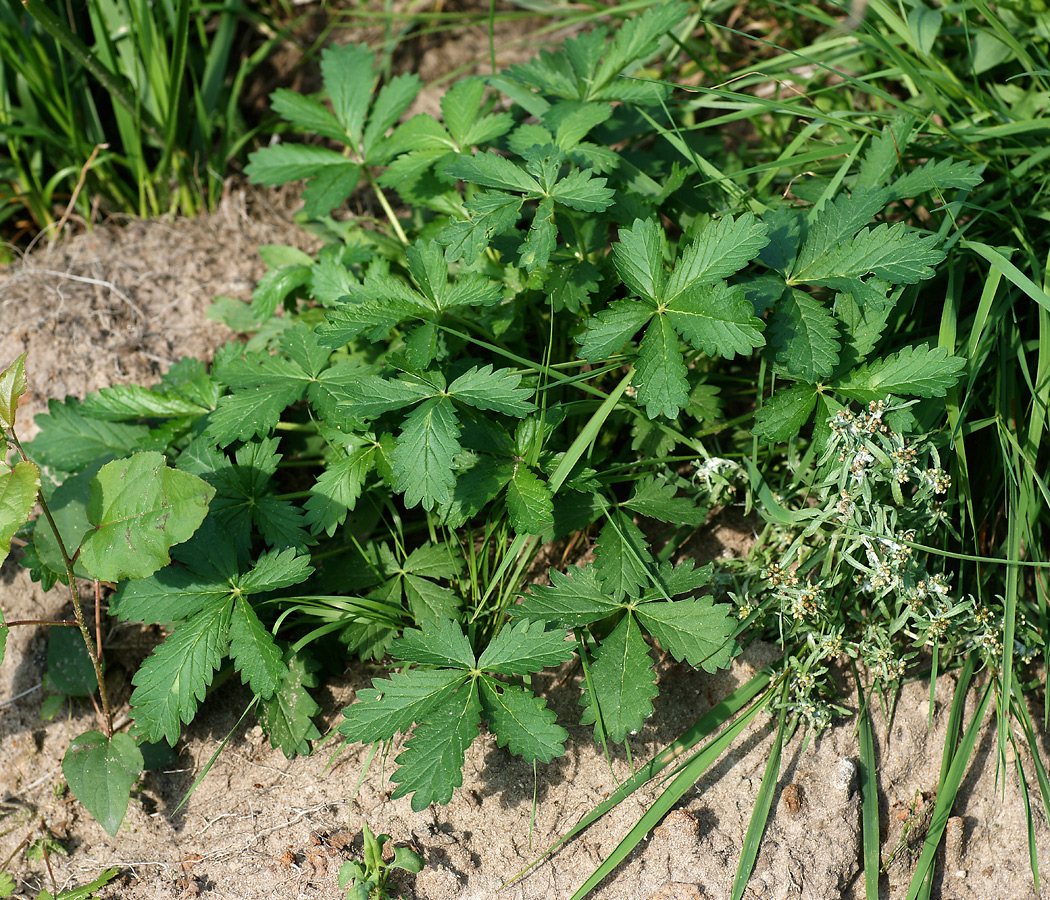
(120, 305)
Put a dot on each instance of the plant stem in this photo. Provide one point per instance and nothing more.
(78, 611)
(41, 622)
(381, 197)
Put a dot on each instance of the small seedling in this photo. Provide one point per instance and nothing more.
(367, 880)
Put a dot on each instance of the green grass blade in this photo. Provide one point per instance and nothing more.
(687, 777)
(946, 794)
(763, 803)
(869, 795)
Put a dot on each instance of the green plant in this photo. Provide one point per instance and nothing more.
(575, 316)
(367, 880)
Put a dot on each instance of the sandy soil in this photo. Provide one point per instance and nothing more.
(120, 305)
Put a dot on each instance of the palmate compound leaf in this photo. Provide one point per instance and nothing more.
(255, 653)
(139, 508)
(175, 677)
(694, 629)
(660, 371)
(572, 599)
(431, 765)
(501, 391)
(101, 772)
(622, 683)
(521, 721)
(442, 644)
(525, 647)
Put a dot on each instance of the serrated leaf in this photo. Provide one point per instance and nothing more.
(493, 171)
(863, 326)
(166, 596)
(348, 78)
(833, 225)
(394, 704)
(583, 191)
(174, 678)
(611, 328)
(498, 390)
(275, 570)
(390, 103)
(804, 337)
(529, 502)
(913, 371)
(694, 629)
(525, 647)
(307, 114)
(371, 396)
(13, 385)
(656, 500)
(478, 480)
(521, 721)
(431, 765)
(784, 414)
(18, 491)
(660, 372)
(337, 489)
(255, 653)
(140, 508)
(442, 644)
(639, 258)
(538, 245)
(717, 319)
(889, 252)
(132, 401)
(936, 176)
(723, 247)
(572, 599)
(423, 455)
(635, 39)
(101, 772)
(277, 165)
(622, 683)
(287, 717)
(69, 440)
(622, 559)
(429, 602)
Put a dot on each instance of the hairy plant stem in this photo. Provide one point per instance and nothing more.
(78, 611)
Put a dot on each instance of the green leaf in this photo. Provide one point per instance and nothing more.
(538, 245)
(69, 665)
(18, 492)
(525, 647)
(169, 595)
(613, 327)
(101, 773)
(423, 454)
(639, 258)
(717, 319)
(694, 629)
(863, 326)
(69, 440)
(13, 385)
(500, 390)
(572, 599)
(394, 704)
(913, 371)
(442, 644)
(131, 401)
(391, 102)
(723, 247)
(622, 683)
(656, 500)
(140, 508)
(491, 213)
(889, 252)
(521, 721)
(307, 114)
(784, 414)
(622, 559)
(937, 176)
(493, 171)
(288, 715)
(255, 653)
(174, 678)
(636, 38)
(803, 336)
(431, 765)
(349, 78)
(337, 489)
(275, 570)
(429, 602)
(583, 191)
(660, 372)
(529, 502)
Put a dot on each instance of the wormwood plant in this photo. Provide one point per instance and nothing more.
(551, 323)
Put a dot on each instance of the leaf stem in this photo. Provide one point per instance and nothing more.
(78, 611)
(381, 197)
